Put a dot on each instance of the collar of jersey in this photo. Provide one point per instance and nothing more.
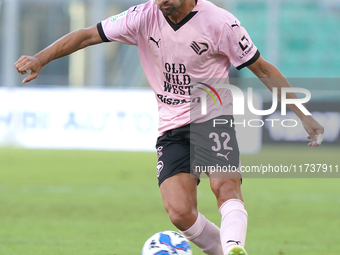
(182, 22)
(177, 26)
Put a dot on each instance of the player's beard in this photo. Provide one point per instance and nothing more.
(170, 8)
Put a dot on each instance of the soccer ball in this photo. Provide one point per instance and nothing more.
(167, 243)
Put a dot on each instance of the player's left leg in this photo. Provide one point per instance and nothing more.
(234, 216)
(217, 152)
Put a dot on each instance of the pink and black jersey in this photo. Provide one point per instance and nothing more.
(179, 58)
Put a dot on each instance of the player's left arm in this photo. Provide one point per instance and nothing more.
(273, 78)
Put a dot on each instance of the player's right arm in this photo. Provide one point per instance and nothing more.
(64, 46)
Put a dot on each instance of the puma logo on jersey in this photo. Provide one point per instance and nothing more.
(199, 48)
(224, 156)
(135, 9)
(156, 42)
(235, 25)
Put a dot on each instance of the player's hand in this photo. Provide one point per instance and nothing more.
(27, 64)
(314, 129)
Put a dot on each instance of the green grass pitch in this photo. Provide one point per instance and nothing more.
(92, 202)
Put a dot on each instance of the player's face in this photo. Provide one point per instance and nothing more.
(169, 7)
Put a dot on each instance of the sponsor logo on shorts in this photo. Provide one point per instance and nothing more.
(160, 166)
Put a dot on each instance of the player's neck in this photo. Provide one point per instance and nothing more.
(185, 9)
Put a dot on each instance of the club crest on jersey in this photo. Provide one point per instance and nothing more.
(199, 47)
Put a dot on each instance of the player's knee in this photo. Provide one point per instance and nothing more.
(183, 217)
(225, 189)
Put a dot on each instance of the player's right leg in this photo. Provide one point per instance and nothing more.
(179, 192)
(180, 201)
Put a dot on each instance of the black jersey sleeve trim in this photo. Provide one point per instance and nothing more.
(101, 32)
(251, 61)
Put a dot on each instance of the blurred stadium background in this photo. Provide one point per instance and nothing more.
(81, 202)
(300, 37)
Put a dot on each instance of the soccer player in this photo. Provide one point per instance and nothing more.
(184, 44)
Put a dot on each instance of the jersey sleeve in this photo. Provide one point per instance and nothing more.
(122, 27)
(237, 45)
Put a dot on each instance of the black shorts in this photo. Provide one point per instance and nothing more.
(197, 148)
